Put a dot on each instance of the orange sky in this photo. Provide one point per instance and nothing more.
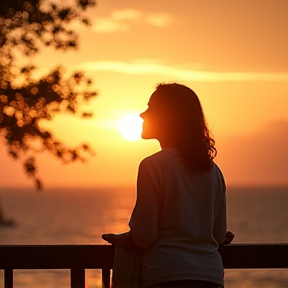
(233, 54)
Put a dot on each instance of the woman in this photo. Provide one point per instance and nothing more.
(179, 218)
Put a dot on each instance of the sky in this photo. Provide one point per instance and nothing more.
(232, 53)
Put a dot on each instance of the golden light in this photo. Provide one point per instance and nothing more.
(130, 127)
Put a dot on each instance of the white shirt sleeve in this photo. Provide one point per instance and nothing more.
(220, 223)
(220, 227)
(145, 215)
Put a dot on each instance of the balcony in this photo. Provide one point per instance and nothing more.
(77, 258)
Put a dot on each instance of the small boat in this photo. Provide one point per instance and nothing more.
(5, 222)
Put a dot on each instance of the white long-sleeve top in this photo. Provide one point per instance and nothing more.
(179, 219)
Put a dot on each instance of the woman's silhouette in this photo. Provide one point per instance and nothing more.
(179, 218)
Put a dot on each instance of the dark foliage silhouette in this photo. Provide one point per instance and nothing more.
(25, 99)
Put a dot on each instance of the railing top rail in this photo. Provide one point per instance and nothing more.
(248, 244)
(237, 256)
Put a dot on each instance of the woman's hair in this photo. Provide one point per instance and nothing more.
(183, 125)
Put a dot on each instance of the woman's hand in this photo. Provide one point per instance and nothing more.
(125, 240)
(110, 238)
(228, 238)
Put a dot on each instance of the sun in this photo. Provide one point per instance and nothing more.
(130, 127)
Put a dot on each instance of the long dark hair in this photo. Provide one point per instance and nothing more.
(184, 126)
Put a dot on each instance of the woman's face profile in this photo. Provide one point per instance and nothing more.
(151, 117)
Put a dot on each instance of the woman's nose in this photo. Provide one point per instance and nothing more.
(142, 114)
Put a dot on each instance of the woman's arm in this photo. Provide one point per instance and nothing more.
(145, 215)
(144, 219)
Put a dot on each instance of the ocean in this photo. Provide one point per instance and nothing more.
(81, 216)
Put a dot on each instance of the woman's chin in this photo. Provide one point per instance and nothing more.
(146, 136)
(143, 136)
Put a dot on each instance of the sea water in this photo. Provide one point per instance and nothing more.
(81, 216)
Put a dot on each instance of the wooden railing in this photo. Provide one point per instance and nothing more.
(77, 258)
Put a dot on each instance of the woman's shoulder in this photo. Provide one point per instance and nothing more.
(152, 158)
(165, 153)
(162, 157)
(219, 175)
(218, 170)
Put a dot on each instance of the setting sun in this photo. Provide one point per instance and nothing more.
(130, 127)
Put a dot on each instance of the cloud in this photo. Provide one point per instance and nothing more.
(128, 14)
(158, 20)
(148, 68)
(105, 25)
(121, 20)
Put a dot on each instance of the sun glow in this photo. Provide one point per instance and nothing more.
(130, 127)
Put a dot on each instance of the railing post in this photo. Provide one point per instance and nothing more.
(8, 278)
(106, 278)
(77, 278)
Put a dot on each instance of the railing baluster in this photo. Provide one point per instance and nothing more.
(106, 278)
(77, 278)
(8, 278)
